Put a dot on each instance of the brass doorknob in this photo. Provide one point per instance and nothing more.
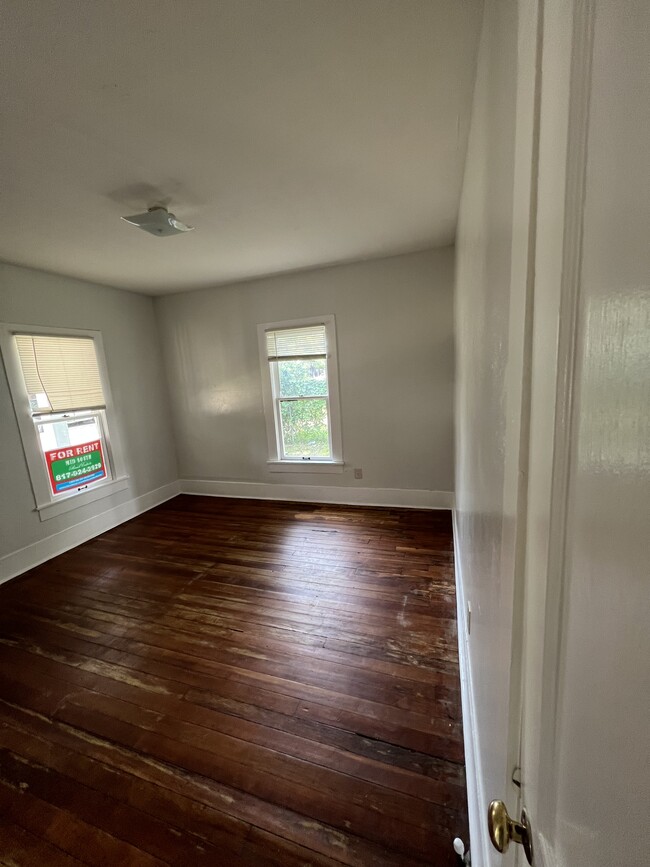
(503, 829)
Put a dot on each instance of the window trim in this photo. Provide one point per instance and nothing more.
(275, 462)
(45, 503)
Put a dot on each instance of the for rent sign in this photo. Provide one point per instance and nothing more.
(71, 466)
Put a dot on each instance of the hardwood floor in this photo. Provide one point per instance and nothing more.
(235, 682)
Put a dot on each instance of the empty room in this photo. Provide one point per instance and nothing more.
(324, 433)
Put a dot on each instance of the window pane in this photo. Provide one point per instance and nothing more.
(305, 428)
(74, 452)
(303, 378)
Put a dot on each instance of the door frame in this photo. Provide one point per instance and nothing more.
(553, 87)
(567, 46)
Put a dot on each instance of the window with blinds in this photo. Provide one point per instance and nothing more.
(300, 363)
(61, 373)
(69, 432)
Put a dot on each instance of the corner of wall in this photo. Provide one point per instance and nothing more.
(22, 560)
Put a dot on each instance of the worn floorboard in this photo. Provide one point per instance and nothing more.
(235, 682)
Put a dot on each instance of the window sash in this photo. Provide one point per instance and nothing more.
(278, 400)
(282, 450)
(74, 489)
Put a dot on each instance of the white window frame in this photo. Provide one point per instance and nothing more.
(277, 463)
(47, 504)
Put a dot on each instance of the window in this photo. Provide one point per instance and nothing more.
(300, 379)
(62, 404)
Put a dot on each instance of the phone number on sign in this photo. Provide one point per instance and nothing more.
(73, 474)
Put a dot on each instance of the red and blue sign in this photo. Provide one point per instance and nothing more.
(71, 466)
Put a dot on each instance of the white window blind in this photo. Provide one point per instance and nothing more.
(64, 369)
(298, 343)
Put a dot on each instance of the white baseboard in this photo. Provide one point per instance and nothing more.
(339, 494)
(476, 803)
(20, 561)
(33, 555)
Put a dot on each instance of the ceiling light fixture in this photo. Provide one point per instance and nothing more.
(159, 222)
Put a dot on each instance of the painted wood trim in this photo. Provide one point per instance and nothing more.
(23, 559)
(567, 351)
(347, 496)
(476, 799)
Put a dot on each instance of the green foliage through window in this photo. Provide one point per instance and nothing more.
(305, 428)
(304, 419)
(303, 377)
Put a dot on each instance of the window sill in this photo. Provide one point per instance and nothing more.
(59, 507)
(305, 466)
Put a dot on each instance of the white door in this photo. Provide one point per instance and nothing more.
(586, 686)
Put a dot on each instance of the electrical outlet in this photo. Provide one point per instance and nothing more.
(469, 618)
(358, 473)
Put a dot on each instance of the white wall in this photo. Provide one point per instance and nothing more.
(133, 357)
(394, 321)
(489, 322)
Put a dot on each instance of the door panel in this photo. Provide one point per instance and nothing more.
(585, 738)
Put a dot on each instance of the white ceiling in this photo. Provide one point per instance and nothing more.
(291, 133)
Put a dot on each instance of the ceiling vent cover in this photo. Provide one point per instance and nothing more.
(159, 222)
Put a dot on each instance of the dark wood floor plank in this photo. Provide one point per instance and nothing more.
(251, 682)
(67, 832)
(152, 635)
(272, 656)
(319, 626)
(94, 806)
(441, 736)
(19, 848)
(285, 735)
(220, 804)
